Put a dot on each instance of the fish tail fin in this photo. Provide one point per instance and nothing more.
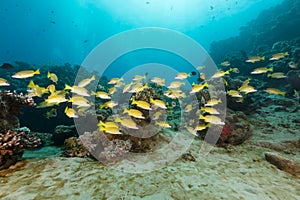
(283, 93)
(37, 71)
(66, 109)
(67, 87)
(271, 69)
(31, 84)
(263, 58)
(268, 75)
(125, 110)
(93, 77)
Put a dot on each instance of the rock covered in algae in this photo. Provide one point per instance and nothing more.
(283, 163)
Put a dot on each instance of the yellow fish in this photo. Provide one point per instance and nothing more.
(111, 130)
(26, 74)
(212, 119)
(225, 64)
(279, 56)
(163, 124)
(275, 91)
(109, 104)
(129, 123)
(70, 112)
(201, 127)
(212, 102)
(134, 113)
(198, 87)
(52, 77)
(158, 103)
(51, 88)
(210, 110)
(234, 93)
(255, 59)
(139, 78)
(188, 108)
(246, 82)
(293, 65)
(277, 75)
(4, 82)
(56, 99)
(158, 81)
(107, 124)
(115, 81)
(77, 90)
(202, 76)
(182, 76)
(175, 85)
(101, 95)
(247, 89)
(86, 81)
(127, 87)
(79, 101)
(141, 104)
(200, 67)
(156, 115)
(262, 70)
(220, 73)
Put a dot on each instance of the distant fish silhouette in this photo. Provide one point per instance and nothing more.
(53, 22)
(194, 73)
(6, 66)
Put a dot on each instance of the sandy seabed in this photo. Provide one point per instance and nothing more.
(236, 172)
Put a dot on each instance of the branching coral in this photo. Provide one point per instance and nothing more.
(10, 104)
(12, 145)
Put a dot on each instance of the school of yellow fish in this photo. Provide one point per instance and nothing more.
(79, 95)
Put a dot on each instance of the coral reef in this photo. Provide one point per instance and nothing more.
(104, 149)
(10, 104)
(73, 147)
(63, 132)
(236, 129)
(12, 145)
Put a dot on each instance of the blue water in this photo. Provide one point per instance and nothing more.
(54, 31)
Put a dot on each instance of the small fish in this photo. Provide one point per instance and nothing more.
(70, 112)
(158, 103)
(112, 90)
(127, 87)
(101, 95)
(114, 81)
(212, 119)
(191, 130)
(255, 59)
(234, 70)
(247, 89)
(198, 87)
(56, 99)
(220, 73)
(201, 127)
(212, 102)
(163, 124)
(277, 75)
(182, 76)
(188, 108)
(246, 82)
(158, 81)
(156, 115)
(134, 113)
(262, 70)
(279, 56)
(111, 130)
(52, 113)
(141, 104)
(200, 67)
(275, 91)
(53, 77)
(79, 101)
(26, 74)
(202, 76)
(86, 81)
(225, 64)
(107, 124)
(109, 104)
(234, 93)
(138, 88)
(77, 90)
(174, 94)
(36, 89)
(210, 110)
(51, 88)
(175, 85)
(6, 66)
(129, 123)
(293, 65)
(139, 78)
(4, 82)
